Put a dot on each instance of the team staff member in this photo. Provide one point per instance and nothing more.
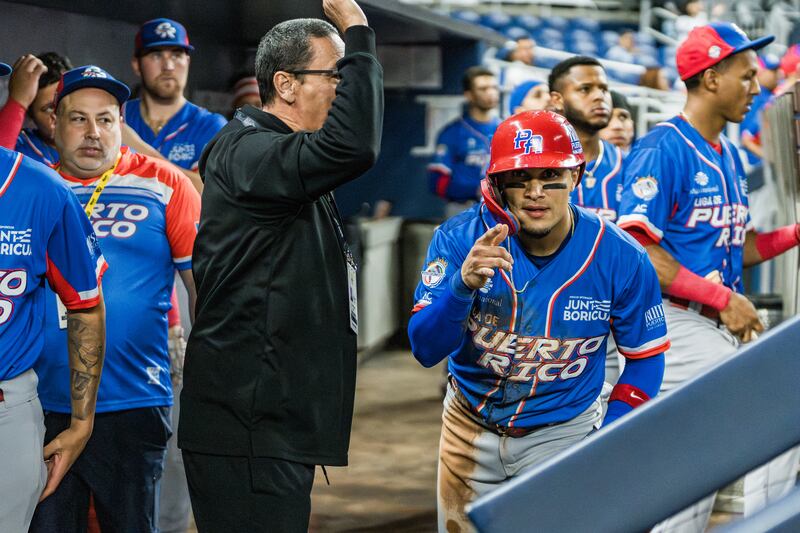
(523, 319)
(32, 91)
(45, 235)
(163, 119)
(685, 199)
(271, 361)
(462, 148)
(144, 213)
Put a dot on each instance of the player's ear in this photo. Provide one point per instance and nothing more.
(135, 67)
(711, 80)
(285, 86)
(575, 173)
(556, 102)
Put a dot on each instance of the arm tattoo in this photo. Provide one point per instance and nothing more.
(83, 340)
(86, 344)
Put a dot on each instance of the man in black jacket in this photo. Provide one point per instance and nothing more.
(271, 361)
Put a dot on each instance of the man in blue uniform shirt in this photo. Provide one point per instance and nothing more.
(163, 118)
(462, 148)
(523, 319)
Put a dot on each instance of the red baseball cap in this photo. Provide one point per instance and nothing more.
(708, 45)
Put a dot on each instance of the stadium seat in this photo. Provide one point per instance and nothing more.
(497, 20)
(467, 16)
(515, 32)
(529, 22)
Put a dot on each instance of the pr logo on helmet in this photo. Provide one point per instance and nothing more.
(527, 140)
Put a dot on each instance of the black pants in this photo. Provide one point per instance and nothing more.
(248, 494)
(121, 465)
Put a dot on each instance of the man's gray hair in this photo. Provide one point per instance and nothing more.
(287, 47)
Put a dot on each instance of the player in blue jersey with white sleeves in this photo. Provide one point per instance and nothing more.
(685, 199)
(163, 118)
(520, 293)
(44, 234)
(462, 147)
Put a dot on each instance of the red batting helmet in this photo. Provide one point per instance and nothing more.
(531, 139)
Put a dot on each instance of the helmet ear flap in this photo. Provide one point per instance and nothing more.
(495, 204)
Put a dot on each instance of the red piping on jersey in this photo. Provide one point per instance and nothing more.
(553, 299)
(69, 296)
(610, 175)
(649, 353)
(574, 277)
(639, 225)
(11, 174)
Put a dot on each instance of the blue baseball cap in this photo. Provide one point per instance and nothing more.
(769, 62)
(5, 70)
(708, 45)
(90, 76)
(161, 32)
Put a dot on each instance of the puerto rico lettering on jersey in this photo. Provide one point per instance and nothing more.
(689, 198)
(534, 343)
(12, 284)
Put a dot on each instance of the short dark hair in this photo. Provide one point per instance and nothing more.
(562, 69)
(56, 66)
(287, 46)
(694, 82)
(471, 73)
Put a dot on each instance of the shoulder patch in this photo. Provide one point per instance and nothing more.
(645, 187)
(434, 273)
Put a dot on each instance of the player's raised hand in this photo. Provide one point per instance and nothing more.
(741, 318)
(344, 13)
(485, 256)
(24, 82)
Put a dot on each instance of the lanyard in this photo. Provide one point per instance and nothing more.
(333, 212)
(98, 190)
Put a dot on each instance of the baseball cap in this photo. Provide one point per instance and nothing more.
(5, 70)
(620, 101)
(769, 62)
(161, 32)
(90, 76)
(708, 45)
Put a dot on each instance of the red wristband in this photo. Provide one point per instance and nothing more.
(690, 286)
(776, 242)
(633, 396)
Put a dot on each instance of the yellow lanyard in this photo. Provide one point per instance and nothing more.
(98, 190)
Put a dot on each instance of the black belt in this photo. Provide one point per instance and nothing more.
(705, 310)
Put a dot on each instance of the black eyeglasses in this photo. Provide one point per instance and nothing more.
(331, 73)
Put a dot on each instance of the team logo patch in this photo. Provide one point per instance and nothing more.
(93, 72)
(645, 187)
(586, 308)
(15, 242)
(165, 30)
(701, 178)
(654, 317)
(714, 52)
(181, 152)
(527, 140)
(434, 274)
(640, 208)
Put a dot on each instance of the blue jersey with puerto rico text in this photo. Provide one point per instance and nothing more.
(146, 220)
(689, 199)
(44, 234)
(183, 138)
(462, 157)
(600, 189)
(534, 345)
(32, 145)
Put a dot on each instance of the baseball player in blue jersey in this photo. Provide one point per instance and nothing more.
(44, 234)
(462, 148)
(164, 120)
(520, 293)
(685, 199)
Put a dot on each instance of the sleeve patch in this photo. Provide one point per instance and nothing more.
(433, 275)
(645, 187)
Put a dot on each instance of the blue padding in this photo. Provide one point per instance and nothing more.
(667, 454)
(782, 516)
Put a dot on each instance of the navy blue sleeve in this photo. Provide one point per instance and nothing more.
(645, 374)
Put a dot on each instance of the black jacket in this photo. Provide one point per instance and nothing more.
(271, 361)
